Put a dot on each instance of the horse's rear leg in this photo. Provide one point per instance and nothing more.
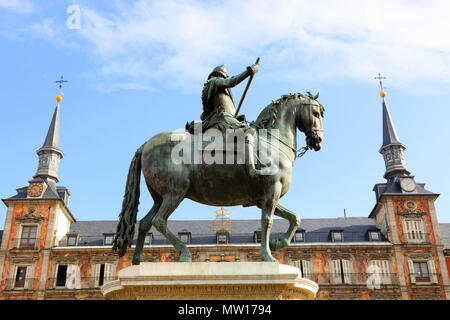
(169, 204)
(294, 223)
(144, 226)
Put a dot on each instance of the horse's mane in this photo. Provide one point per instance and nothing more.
(268, 116)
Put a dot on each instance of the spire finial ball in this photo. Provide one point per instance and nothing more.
(382, 94)
(59, 98)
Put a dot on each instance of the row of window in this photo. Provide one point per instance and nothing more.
(223, 238)
(379, 272)
(340, 272)
(414, 233)
(67, 276)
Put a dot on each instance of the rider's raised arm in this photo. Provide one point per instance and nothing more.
(235, 80)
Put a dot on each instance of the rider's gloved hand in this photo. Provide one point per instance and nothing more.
(253, 69)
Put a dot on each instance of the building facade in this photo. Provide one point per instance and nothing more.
(399, 251)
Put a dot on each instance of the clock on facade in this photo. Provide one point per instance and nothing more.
(408, 184)
(35, 189)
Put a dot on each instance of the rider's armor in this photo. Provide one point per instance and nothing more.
(219, 108)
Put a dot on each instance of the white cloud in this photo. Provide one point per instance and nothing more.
(45, 28)
(21, 6)
(325, 40)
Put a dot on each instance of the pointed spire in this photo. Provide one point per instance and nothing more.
(50, 154)
(52, 139)
(392, 149)
(389, 133)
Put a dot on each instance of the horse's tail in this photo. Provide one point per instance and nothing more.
(125, 228)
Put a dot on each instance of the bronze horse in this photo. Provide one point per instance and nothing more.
(219, 184)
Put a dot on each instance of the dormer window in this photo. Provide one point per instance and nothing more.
(374, 235)
(222, 238)
(148, 239)
(108, 239)
(299, 236)
(185, 236)
(257, 236)
(72, 239)
(337, 235)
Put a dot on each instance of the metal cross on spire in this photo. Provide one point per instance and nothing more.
(61, 81)
(381, 82)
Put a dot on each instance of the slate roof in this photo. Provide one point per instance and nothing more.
(1, 236)
(393, 188)
(49, 193)
(242, 231)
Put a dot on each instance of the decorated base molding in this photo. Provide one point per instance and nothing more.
(210, 281)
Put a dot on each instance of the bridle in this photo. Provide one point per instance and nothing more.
(298, 152)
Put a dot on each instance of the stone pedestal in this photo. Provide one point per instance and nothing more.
(210, 281)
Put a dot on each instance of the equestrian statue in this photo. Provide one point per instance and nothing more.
(245, 183)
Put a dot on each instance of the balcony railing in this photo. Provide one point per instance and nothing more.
(424, 278)
(416, 237)
(79, 283)
(25, 243)
(24, 284)
(369, 279)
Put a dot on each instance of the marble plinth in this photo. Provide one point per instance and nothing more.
(210, 281)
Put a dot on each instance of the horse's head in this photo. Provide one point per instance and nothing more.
(309, 120)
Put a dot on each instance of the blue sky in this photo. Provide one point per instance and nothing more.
(136, 68)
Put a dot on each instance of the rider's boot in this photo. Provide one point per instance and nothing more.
(250, 153)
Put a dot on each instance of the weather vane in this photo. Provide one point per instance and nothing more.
(60, 81)
(379, 78)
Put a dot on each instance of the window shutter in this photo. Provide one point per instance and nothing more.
(73, 277)
(411, 271)
(297, 264)
(347, 270)
(29, 278)
(385, 269)
(307, 269)
(97, 275)
(110, 272)
(335, 271)
(432, 271)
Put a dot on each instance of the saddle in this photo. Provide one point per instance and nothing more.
(204, 124)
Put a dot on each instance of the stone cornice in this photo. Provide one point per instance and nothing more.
(300, 255)
(65, 259)
(30, 216)
(379, 255)
(104, 259)
(419, 255)
(385, 295)
(9, 202)
(426, 296)
(411, 214)
(334, 254)
(19, 256)
(345, 296)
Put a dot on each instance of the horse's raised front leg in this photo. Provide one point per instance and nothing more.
(144, 226)
(169, 204)
(268, 205)
(294, 223)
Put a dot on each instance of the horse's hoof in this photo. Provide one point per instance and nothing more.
(136, 260)
(185, 258)
(267, 257)
(278, 244)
